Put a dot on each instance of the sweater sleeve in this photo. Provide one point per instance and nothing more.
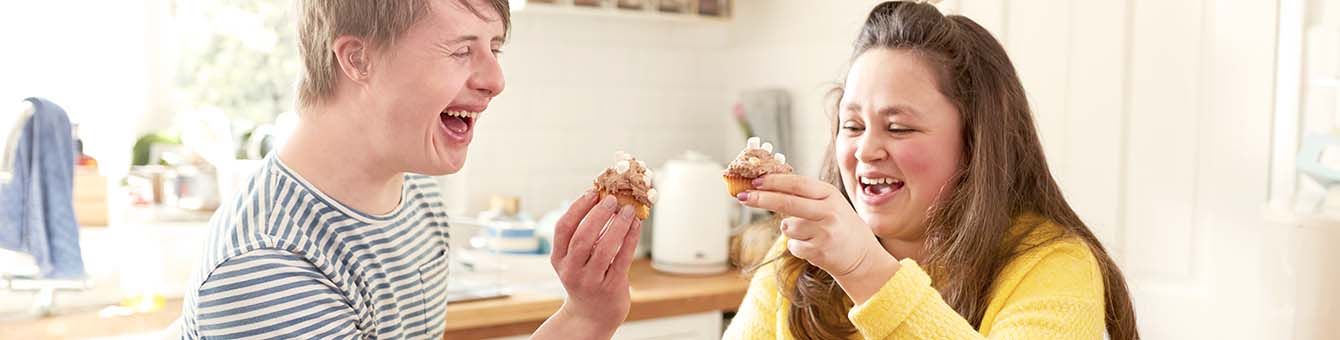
(1055, 292)
(758, 313)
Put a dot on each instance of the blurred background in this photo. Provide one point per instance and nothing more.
(1193, 136)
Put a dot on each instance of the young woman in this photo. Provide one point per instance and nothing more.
(936, 217)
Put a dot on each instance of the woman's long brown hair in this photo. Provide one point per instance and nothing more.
(1004, 175)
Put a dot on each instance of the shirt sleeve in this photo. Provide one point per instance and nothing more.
(270, 294)
(757, 317)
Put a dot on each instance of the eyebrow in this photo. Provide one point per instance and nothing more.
(462, 39)
(891, 110)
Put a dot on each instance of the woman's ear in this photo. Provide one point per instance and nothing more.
(352, 54)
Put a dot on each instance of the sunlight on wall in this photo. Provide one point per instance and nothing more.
(94, 58)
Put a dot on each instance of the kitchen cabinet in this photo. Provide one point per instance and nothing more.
(663, 307)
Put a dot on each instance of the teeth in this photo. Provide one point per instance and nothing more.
(463, 114)
(878, 181)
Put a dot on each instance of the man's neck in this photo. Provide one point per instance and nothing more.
(323, 151)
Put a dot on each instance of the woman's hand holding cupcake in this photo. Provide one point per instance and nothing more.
(822, 228)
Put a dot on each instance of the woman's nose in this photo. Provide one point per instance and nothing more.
(870, 149)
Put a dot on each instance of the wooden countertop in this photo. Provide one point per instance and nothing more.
(654, 295)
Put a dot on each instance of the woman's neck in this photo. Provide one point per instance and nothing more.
(901, 249)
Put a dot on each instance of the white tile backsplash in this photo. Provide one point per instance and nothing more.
(583, 86)
(579, 88)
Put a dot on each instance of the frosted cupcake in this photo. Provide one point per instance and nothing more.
(753, 162)
(629, 180)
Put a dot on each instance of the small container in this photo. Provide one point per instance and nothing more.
(511, 238)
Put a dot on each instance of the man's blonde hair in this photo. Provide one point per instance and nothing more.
(379, 22)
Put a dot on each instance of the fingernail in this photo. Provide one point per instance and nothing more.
(586, 196)
(609, 202)
(626, 211)
(758, 182)
(743, 197)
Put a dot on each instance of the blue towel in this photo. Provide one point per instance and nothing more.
(37, 205)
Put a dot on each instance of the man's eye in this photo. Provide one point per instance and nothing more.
(461, 53)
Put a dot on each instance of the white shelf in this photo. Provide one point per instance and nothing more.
(648, 12)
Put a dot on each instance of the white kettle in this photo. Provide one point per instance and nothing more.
(691, 226)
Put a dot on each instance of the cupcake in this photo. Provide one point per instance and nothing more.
(753, 162)
(629, 180)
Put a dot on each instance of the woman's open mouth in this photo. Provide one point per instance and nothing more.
(458, 125)
(878, 190)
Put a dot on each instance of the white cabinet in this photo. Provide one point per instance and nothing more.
(1303, 269)
(701, 326)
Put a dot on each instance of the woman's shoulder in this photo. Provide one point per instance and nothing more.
(1042, 237)
(1051, 254)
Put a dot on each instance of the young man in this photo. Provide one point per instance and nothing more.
(341, 234)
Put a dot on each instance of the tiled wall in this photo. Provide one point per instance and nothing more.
(801, 46)
(579, 88)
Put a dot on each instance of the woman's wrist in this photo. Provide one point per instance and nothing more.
(869, 276)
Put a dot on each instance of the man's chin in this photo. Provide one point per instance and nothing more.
(446, 164)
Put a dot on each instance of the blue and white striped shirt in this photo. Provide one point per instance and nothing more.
(284, 261)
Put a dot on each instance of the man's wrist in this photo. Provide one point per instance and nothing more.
(579, 323)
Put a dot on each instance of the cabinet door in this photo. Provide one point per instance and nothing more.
(701, 326)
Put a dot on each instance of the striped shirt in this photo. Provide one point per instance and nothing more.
(285, 261)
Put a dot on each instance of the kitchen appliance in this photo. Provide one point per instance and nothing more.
(691, 224)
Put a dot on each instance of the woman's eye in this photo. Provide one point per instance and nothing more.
(895, 128)
(851, 127)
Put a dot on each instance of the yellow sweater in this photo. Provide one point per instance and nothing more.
(1053, 291)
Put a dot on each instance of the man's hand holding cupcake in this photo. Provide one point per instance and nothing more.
(593, 249)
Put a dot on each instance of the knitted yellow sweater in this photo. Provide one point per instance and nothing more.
(1053, 291)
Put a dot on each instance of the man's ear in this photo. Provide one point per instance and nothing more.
(353, 55)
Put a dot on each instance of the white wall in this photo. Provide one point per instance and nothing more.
(1156, 117)
(582, 86)
(96, 59)
(801, 46)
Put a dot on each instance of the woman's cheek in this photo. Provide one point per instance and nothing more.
(846, 160)
(925, 169)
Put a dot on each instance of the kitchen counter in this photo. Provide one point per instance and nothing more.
(654, 295)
